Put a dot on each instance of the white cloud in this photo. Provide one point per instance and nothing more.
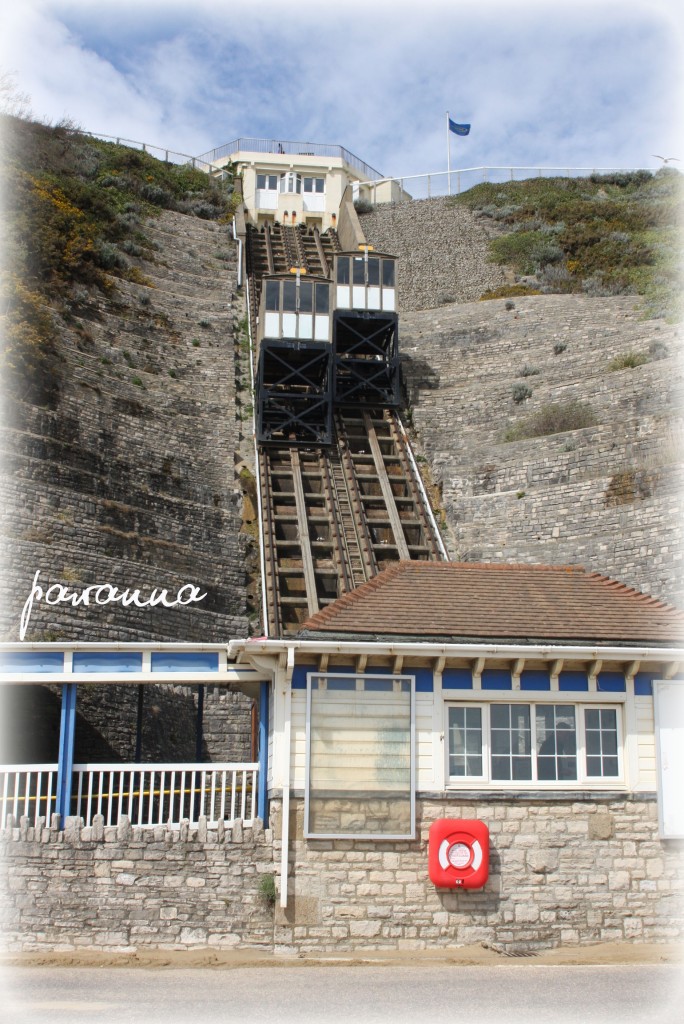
(582, 84)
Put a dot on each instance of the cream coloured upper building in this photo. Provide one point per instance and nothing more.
(298, 182)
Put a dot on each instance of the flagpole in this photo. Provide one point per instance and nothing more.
(448, 156)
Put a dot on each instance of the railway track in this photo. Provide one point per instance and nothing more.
(332, 517)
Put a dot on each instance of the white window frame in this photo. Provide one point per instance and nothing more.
(583, 780)
(360, 680)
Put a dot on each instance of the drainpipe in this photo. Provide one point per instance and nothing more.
(65, 762)
(285, 830)
(262, 796)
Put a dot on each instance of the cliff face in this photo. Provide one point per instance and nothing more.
(129, 478)
(606, 489)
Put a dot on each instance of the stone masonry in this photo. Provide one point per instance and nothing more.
(130, 479)
(607, 496)
(441, 249)
(571, 870)
(120, 888)
(563, 871)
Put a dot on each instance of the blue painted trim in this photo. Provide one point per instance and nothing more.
(299, 676)
(573, 680)
(535, 679)
(611, 682)
(107, 661)
(65, 762)
(643, 684)
(32, 661)
(262, 791)
(457, 679)
(497, 679)
(424, 680)
(185, 661)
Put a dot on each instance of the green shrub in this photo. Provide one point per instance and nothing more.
(607, 234)
(521, 392)
(506, 291)
(267, 889)
(528, 371)
(628, 361)
(553, 418)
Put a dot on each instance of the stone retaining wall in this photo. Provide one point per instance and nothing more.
(608, 496)
(570, 870)
(441, 248)
(122, 888)
(564, 871)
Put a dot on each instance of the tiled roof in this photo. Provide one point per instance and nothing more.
(470, 601)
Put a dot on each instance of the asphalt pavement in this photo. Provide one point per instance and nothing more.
(332, 993)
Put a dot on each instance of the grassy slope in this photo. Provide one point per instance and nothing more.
(603, 235)
(74, 210)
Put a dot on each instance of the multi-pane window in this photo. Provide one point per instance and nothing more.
(465, 741)
(541, 742)
(291, 182)
(267, 181)
(316, 185)
(600, 728)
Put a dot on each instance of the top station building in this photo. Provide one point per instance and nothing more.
(299, 183)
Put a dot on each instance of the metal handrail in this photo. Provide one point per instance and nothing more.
(196, 162)
(439, 183)
(281, 146)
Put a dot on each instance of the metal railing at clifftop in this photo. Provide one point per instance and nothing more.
(444, 183)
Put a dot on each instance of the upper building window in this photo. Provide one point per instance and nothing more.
(314, 185)
(291, 182)
(267, 181)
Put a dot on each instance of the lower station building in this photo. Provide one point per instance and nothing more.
(437, 710)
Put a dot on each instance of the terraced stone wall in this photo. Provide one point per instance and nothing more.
(130, 479)
(607, 496)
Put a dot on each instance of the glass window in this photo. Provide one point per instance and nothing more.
(314, 185)
(388, 273)
(290, 182)
(373, 271)
(267, 181)
(511, 737)
(556, 742)
(289, 296)
(305, 297)
(465, 741)
(273, 295)
(533, 742)
(343, 270)
(322, 298)
(359, 270)
(600, 731)
(359, 757)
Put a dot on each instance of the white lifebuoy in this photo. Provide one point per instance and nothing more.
(474, 858)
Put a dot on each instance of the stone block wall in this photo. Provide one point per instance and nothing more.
(129, 478)
(441, 249)
(563, 871)
(572, 870)
(608, 496)
(119, 889)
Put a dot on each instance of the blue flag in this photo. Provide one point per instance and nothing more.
(458, 129)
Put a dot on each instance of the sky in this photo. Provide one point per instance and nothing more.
(544, 83)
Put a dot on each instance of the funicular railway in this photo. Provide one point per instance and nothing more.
(341, 496)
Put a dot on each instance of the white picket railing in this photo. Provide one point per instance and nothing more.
(27, 789)
(149, 794)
